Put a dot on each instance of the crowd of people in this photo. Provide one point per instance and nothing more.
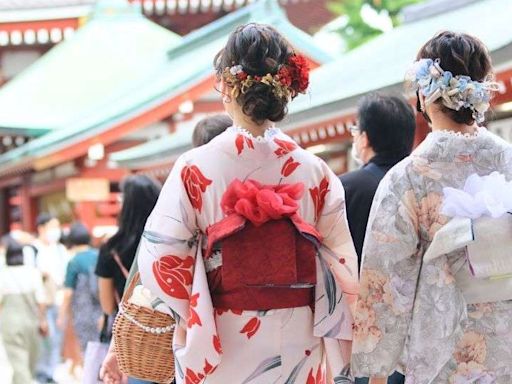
(57, 290)
(276, 270)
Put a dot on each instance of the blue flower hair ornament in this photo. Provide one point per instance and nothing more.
(455, 92)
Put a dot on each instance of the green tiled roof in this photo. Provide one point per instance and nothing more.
(106, 60)
(155, 151)
(383, 61)
(165, 73)
(205, 43)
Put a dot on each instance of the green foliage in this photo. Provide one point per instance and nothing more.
(357, 31)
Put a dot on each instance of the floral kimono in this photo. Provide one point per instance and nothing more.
(412, 313)
(272, 303)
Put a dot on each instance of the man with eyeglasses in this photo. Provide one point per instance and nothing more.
(384, 136)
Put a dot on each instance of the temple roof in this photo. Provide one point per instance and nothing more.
(87, 75)
(102, 99)
(382, 62)
(163, 150)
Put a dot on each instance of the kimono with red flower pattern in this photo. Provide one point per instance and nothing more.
(307, 344)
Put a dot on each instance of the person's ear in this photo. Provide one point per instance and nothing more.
(365, 142)
(226, 92)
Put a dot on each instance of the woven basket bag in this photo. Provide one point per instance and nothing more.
(143, 340)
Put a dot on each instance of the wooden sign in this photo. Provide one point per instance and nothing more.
(87, 189)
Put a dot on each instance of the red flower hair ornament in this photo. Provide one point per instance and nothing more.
(290, 79)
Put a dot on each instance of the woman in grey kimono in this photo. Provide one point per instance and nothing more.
(431, 317)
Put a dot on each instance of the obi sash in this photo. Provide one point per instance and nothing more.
(487, 243)
(263, 263)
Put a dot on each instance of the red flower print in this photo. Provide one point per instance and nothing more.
(285, 147)
(289, 167)
(318, 195)
(208, 368)
(195, 185)
(318, 379)
(193, 378)
(194, 317)
(219, 311)
(240, 142)
(216, 344)
(174, 274)
(251, 327)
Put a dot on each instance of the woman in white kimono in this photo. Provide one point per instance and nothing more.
(248, 244)
(422, 307)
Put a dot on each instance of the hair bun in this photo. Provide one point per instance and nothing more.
(260, 103)
(259, 50)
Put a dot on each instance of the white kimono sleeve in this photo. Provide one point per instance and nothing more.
(337, 278)
(171, 267)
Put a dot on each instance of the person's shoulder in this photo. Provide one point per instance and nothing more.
(87, 254)
(356, 176)
(105, 254)
(194, 154)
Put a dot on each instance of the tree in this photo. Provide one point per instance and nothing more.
(357, 31)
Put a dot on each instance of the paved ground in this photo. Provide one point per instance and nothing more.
(61, 376)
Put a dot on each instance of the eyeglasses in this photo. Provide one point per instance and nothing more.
(354, 130)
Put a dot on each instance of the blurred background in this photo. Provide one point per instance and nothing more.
(94, 90)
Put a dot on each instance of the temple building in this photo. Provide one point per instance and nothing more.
(119, 81)
(123, 91)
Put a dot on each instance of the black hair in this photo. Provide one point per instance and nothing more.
(13, 251)
(461, 54)
(260, 49)
(44, 218)
(209, 127)
(78, 235)
(140, 194)
(389, 123)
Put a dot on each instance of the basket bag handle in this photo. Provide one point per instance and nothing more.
(131, 286)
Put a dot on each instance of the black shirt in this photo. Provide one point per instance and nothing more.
(360, 187)
(108, 268)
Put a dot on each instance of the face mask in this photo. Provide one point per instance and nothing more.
(53, 235)
(354, 153)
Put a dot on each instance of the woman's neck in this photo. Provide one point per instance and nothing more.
(242, 121)
(441, 122)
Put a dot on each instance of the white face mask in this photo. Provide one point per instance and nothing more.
(354, 153)
(53, 235)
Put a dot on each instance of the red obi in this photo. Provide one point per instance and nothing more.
(268, 251)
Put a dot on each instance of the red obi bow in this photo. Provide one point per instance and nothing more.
(265, 255)
(258, 203)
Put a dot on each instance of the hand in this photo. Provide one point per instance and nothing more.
(109, 372)
(43, 328)
(378, 380)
